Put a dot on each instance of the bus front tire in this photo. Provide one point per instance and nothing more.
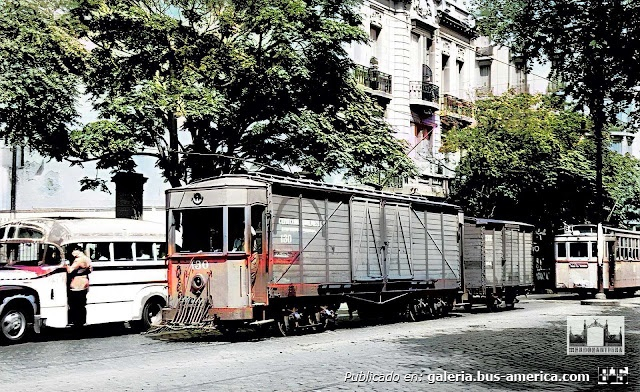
(14, 324)
(151, 308)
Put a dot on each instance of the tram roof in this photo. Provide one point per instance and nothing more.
(64, 230)
(263, 180)
(497, 222)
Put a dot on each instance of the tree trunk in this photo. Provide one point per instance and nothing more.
(173, 166)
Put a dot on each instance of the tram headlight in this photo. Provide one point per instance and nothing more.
(197, 284)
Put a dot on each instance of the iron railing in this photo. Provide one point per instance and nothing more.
(451, 104)
(372, 78)
(425, 91)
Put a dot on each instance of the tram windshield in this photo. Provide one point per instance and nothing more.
(199, 230)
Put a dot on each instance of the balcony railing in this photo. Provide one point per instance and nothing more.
(372, 78)
(484, 51)
(451, 104)
(484, 92)
(425, 91)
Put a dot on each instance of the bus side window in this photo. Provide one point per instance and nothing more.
(123, 251)
(98, 251)
(160, 251)
(144, 250)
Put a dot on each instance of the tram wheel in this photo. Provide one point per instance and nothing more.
(284, 327)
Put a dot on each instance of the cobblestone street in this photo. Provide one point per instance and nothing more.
(529, 339)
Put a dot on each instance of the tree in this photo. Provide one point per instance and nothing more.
(206, 86)
(593, 47)
(39, 66)
(530, 160)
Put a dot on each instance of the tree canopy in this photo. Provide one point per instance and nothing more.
(206, 86)
(593, 47)
(531, 160)
(39, 66)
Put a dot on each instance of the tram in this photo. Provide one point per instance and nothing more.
(577, 260)
(256, 249)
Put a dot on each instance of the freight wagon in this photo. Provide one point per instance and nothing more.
(497, 261)
(259, 249)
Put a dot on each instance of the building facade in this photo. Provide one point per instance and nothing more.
(426, 67)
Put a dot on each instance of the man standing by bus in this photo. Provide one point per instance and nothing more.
(79, 272)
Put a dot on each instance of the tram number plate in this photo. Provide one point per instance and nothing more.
(578, 265)
(199, 264)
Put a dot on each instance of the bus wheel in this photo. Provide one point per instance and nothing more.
(151, 309)
(13, 325)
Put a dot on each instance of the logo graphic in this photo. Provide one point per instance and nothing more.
(595, 335)
(197, 199)
(613, 375)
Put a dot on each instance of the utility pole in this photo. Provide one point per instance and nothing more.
(14, 179)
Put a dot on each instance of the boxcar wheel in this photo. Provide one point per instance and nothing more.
(14, 326)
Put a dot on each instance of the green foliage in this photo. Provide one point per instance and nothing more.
(263, 81)
(39, 61)
(593, 45)
(529, 160)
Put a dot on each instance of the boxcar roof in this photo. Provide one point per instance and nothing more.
(496, 222)
(260, 179)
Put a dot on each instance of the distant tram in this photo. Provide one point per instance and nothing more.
(577, 260)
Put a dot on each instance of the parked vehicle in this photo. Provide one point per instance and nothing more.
(128, 282)
(577, 260)
(498, 261)
(257, 249)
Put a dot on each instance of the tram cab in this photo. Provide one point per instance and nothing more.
(576, 258)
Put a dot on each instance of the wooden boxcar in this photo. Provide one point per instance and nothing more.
(254, 249)
(498, 261)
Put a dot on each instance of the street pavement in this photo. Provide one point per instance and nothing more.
(527, 340)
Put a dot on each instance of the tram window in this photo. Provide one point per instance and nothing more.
(594, 250)
(144, 251)
(199, 230)
(236, 229)
(578, 249)
(561, 249)
(256, 222)
(122, 251)
(11, 232)
(28, 232)
(2, 230)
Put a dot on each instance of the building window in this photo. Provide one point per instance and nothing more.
(485, 75)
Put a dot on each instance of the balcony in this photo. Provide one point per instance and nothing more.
(484, 92)
(457, 109)
(484, 52)
(424, 94)
(378, 83)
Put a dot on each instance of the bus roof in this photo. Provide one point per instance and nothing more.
(67, 230)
